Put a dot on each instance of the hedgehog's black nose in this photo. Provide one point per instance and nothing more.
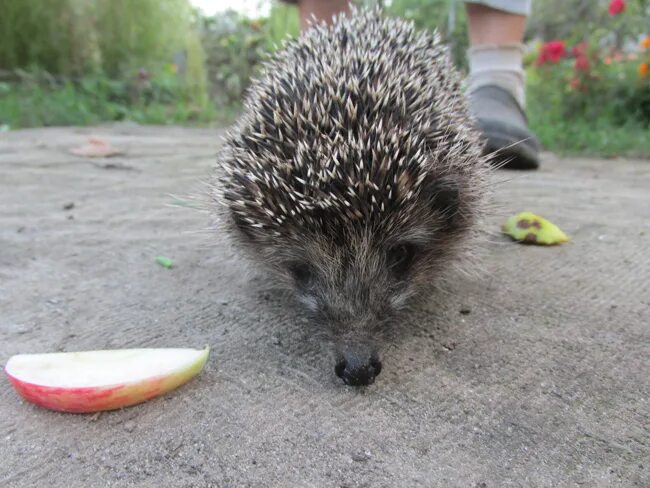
(355, 371)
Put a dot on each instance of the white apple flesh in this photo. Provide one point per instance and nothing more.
(92, 381)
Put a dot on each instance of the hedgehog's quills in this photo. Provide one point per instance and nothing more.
(356, 175)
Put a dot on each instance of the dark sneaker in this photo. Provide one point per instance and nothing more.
(505, 128)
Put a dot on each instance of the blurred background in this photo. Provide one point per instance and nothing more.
(84, 62)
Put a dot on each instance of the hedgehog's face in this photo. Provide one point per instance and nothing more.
(355, 285)
(353, 292)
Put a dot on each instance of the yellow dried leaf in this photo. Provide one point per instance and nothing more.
(529, 228)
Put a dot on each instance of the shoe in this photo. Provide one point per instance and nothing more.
(505, 128)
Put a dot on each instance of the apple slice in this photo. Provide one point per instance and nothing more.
(91, 381)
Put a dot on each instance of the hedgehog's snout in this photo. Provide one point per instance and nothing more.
(358, 369)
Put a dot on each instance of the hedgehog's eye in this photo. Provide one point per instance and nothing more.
(400, 258)
(302, 273)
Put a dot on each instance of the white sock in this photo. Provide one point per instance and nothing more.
(499, 65)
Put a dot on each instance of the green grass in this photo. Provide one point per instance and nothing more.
(600, 138)
(91, 102)
(77, 37)
(609, 120)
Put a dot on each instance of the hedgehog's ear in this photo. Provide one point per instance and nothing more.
(445, 197)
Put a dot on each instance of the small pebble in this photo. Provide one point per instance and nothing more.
(68, 206)
(360, 457)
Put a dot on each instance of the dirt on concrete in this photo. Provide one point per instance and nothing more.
(536, 374)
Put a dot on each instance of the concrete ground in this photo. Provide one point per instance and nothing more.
(544, 383)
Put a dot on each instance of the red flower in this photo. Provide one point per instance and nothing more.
(552, 52)
(579, 49)
(616, 7)
(582, 63)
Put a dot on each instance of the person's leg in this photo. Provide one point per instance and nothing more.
(495, 54)
(496, 82)
(321, 10)
(487, 25)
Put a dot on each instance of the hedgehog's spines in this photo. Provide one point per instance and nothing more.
(350, 122)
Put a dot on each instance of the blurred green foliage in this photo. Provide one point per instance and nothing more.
(235, 46)
(133, 34)
(120, 41)
(593, 100)
(575, 20)
(58, 36)
(78, 37)
(160, 61)
(446, 16)
(38, 99)
(606, 119)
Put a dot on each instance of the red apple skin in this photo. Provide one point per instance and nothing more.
(87, 399)
(95, 399)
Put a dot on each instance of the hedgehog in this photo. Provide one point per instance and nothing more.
(356, 175)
